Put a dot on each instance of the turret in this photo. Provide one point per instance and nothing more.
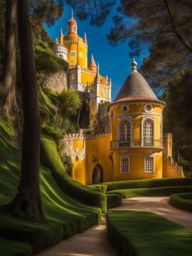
(71, 26)
(92, 65)
(60, 50)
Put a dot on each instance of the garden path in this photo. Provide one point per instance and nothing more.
(92, 242)
(158, 205)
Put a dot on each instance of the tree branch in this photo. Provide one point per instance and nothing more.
(187, 45)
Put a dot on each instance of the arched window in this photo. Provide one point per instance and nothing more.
(125, 133)
(148, 132)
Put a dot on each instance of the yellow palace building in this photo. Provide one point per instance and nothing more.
(82, 76)
(136, 147)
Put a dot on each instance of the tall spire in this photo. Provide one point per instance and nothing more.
(134, 65)
(85, 38)
(98, 75)
(72, 12)
(61, 37)
(92, 65)
(98, 68)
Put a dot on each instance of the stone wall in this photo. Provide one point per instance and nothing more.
(57, 82)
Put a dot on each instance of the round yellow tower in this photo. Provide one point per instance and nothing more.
(136, 121)
(77, 46)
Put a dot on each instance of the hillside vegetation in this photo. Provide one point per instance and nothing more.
(65, 215)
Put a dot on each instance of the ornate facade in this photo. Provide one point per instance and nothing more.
(136, 147)
(82, 76)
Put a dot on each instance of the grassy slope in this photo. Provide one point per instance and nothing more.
(147, 234)
(66, 216)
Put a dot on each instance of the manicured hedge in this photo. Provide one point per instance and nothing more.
(136, 233)
(182, 201)
(114, 200)
(51, 159)
(148, 183)
(159, 191)
(12, 248)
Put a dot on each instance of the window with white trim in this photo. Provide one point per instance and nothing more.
(149, 164)
(148, 132)
(124, 164)
(125, 131)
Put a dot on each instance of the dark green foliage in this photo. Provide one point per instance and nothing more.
(148, 183)
(147, 234)
(154, 191)
(102, 124)
(179, 116)
(58, 112)
(51, 159)
(182, 201)
(47, 62)
(114, 200)
(12, 248)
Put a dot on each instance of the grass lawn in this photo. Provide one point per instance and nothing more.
(147, 234)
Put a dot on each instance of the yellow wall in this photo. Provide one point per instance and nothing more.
(96, 153)
(136, 161)
(77, 47)
(136, 114)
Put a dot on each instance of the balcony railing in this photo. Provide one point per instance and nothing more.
(120, 144)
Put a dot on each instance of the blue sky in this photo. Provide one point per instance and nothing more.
(114, 61)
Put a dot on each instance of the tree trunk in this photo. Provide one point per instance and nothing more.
(27, 202)
(8, 95)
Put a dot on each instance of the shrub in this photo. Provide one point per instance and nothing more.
(114, 200)
(182, 201)
(149, 183)
(137, 233)
(159, 191)
(12, 248)
(51, 159)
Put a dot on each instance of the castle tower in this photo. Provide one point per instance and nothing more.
(77, 46)
(60, 50)
(136, 121)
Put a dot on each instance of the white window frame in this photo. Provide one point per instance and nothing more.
(119, 128)
(153, 164)
(143, 123)
(121, 166)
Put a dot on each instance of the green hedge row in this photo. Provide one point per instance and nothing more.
(182, 201)
(114, 200)
(51, 159)
(159, 191)
(136, 233)
(148, 183)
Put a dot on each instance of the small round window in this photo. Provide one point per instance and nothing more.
(148, 108)
(125, 108)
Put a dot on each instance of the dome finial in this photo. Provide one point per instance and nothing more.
(134, 65)
(72, 12)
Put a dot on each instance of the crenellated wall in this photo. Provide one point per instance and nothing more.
(87, 152)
